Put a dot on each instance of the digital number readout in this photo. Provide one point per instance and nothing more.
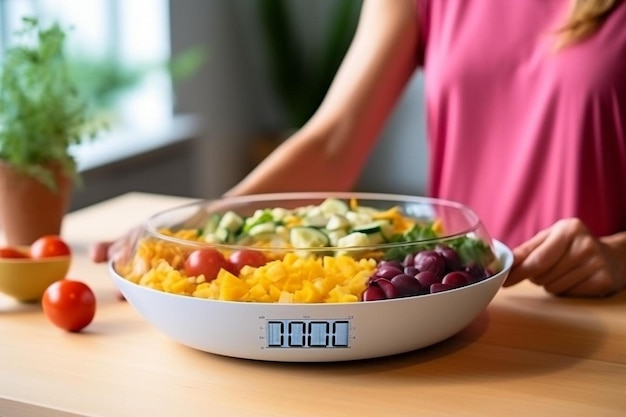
(308, 333)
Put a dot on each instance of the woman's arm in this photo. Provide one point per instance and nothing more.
(329, 152)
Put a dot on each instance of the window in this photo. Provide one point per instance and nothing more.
(134, 33)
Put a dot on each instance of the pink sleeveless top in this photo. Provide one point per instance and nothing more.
(520, 133)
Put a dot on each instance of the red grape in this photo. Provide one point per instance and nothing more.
(406, 285)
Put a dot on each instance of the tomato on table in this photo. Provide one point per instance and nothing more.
(12, 253)
(49, 246)
(69, 304)
(207, 262)
(243, 257)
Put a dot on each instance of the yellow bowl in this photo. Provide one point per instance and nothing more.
(27, 279)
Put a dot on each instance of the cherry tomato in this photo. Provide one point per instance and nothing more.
(207, 262)
(243, 257)
(69, 304)
(49, 246)
(8, 252)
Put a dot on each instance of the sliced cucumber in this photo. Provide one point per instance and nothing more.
(354, 239)
(282, 233)
(308, 237)
(211, 224)
(369, 228)
(262, 228)
(335, 235)
(386, 226)
(377, 238)
(314, 220)
(231, 221)
(337, 222)
(334, 206)
(211, 238)
(376, 231)
(217, 229)
(368, 211)
(245, 240)
(222, 235)
(279, 213)
(259, 217)
(358, 219)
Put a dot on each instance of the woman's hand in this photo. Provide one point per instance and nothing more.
(99, 251)
(118, 250)
(567, 260)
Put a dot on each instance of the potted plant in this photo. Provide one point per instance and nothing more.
(42, 116)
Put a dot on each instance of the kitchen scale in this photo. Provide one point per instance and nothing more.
(314, 332)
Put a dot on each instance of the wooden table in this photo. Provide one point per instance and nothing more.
(528, 354)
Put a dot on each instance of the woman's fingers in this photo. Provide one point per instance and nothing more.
(118, 250)
(536, 256)
(567, 281)
(99, 251)
(567, 260)
(520, 254)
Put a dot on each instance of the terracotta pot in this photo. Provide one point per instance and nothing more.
(28, 209)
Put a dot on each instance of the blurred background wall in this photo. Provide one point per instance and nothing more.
(238, 104)
(230, 110)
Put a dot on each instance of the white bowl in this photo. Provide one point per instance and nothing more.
(290, 307)
(340, 332)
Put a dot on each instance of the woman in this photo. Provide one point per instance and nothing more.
(526, 110)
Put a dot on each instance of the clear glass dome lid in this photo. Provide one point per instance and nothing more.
(371, 237)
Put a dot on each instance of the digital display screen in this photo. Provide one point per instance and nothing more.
(308, 333)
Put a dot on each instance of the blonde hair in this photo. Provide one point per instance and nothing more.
(584, 18)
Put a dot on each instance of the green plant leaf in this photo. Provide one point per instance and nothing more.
(41, 111)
